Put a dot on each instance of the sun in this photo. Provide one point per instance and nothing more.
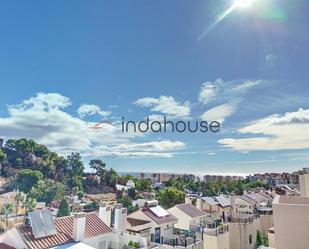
(243, 3)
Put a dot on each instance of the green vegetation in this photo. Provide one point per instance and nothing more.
(126, 201)
(45, 176)
(143, 184)
(48, 191)
(7, 209)
(92, 206)
(170, 197)
(214, 188)
(134, 244)
(27, 178)
(261, 239)
(64, 208)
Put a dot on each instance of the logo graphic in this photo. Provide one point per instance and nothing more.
(99, 125)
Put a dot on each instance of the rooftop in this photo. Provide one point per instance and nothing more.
(291, 200)
(158, 219)
(64, 226)
(190, 210)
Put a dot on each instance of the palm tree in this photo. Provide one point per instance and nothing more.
(19, 198)
(29, 205)
(7, 209)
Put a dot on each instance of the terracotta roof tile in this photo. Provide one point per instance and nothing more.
(5, 246)
(64, 226)
(137, 222)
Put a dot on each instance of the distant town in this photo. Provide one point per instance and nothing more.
(50, 201)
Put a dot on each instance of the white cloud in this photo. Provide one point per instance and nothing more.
(165, 148)
(219, 113)
(209, 91)
(166, 105)
(87, 110)
(246, 85)
(271, 60)
(275, 132)
(225, 91)
(44, 119)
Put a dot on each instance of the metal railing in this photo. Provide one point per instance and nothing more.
(216, 231)
(180, 240)
(245, 219)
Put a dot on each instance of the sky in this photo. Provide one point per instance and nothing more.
(67, 65)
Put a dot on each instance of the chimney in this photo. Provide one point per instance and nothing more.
(304, 182)
(1, 142)
(120, 218)
(188, 200)
(79, 226)
(234, 211)
(105, 213)
(199, 203)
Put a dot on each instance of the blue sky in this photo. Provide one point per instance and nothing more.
(65, 65)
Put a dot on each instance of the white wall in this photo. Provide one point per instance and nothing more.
(184, 220)
(291, 226)
(220, 241)
(304, 184)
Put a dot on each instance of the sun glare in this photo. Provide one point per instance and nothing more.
(243, 3)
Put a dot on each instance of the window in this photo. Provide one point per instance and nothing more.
(250, 239)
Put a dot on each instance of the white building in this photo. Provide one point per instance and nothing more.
(189, 216)
(69, 231)
(291, 218)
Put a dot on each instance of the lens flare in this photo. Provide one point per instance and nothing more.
(243, 3)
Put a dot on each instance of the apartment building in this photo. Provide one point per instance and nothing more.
(275, 179)
(245, 204)
(218, 178)
(216, 205)
(160, 221)
(291, 219)
(243, 231)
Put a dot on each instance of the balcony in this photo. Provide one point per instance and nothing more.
(183, 240)
(243, 218)
(221, 229)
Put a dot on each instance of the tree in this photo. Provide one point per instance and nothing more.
(7, 209)
(2, 156)
(48, 191)
(28, 178)
(143, 184)
(19, 198)
(92, 206)
(29, 205)
(75, 182)
(131, 193)
(170, 197)
(64, 208)
(99, 166)
(111, 178)
(75, 166)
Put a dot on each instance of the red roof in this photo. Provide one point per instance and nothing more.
(5, 246)
(64, 225)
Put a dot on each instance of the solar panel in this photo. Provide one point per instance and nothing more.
(159, 211)
(224, 202)
(42, 224)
